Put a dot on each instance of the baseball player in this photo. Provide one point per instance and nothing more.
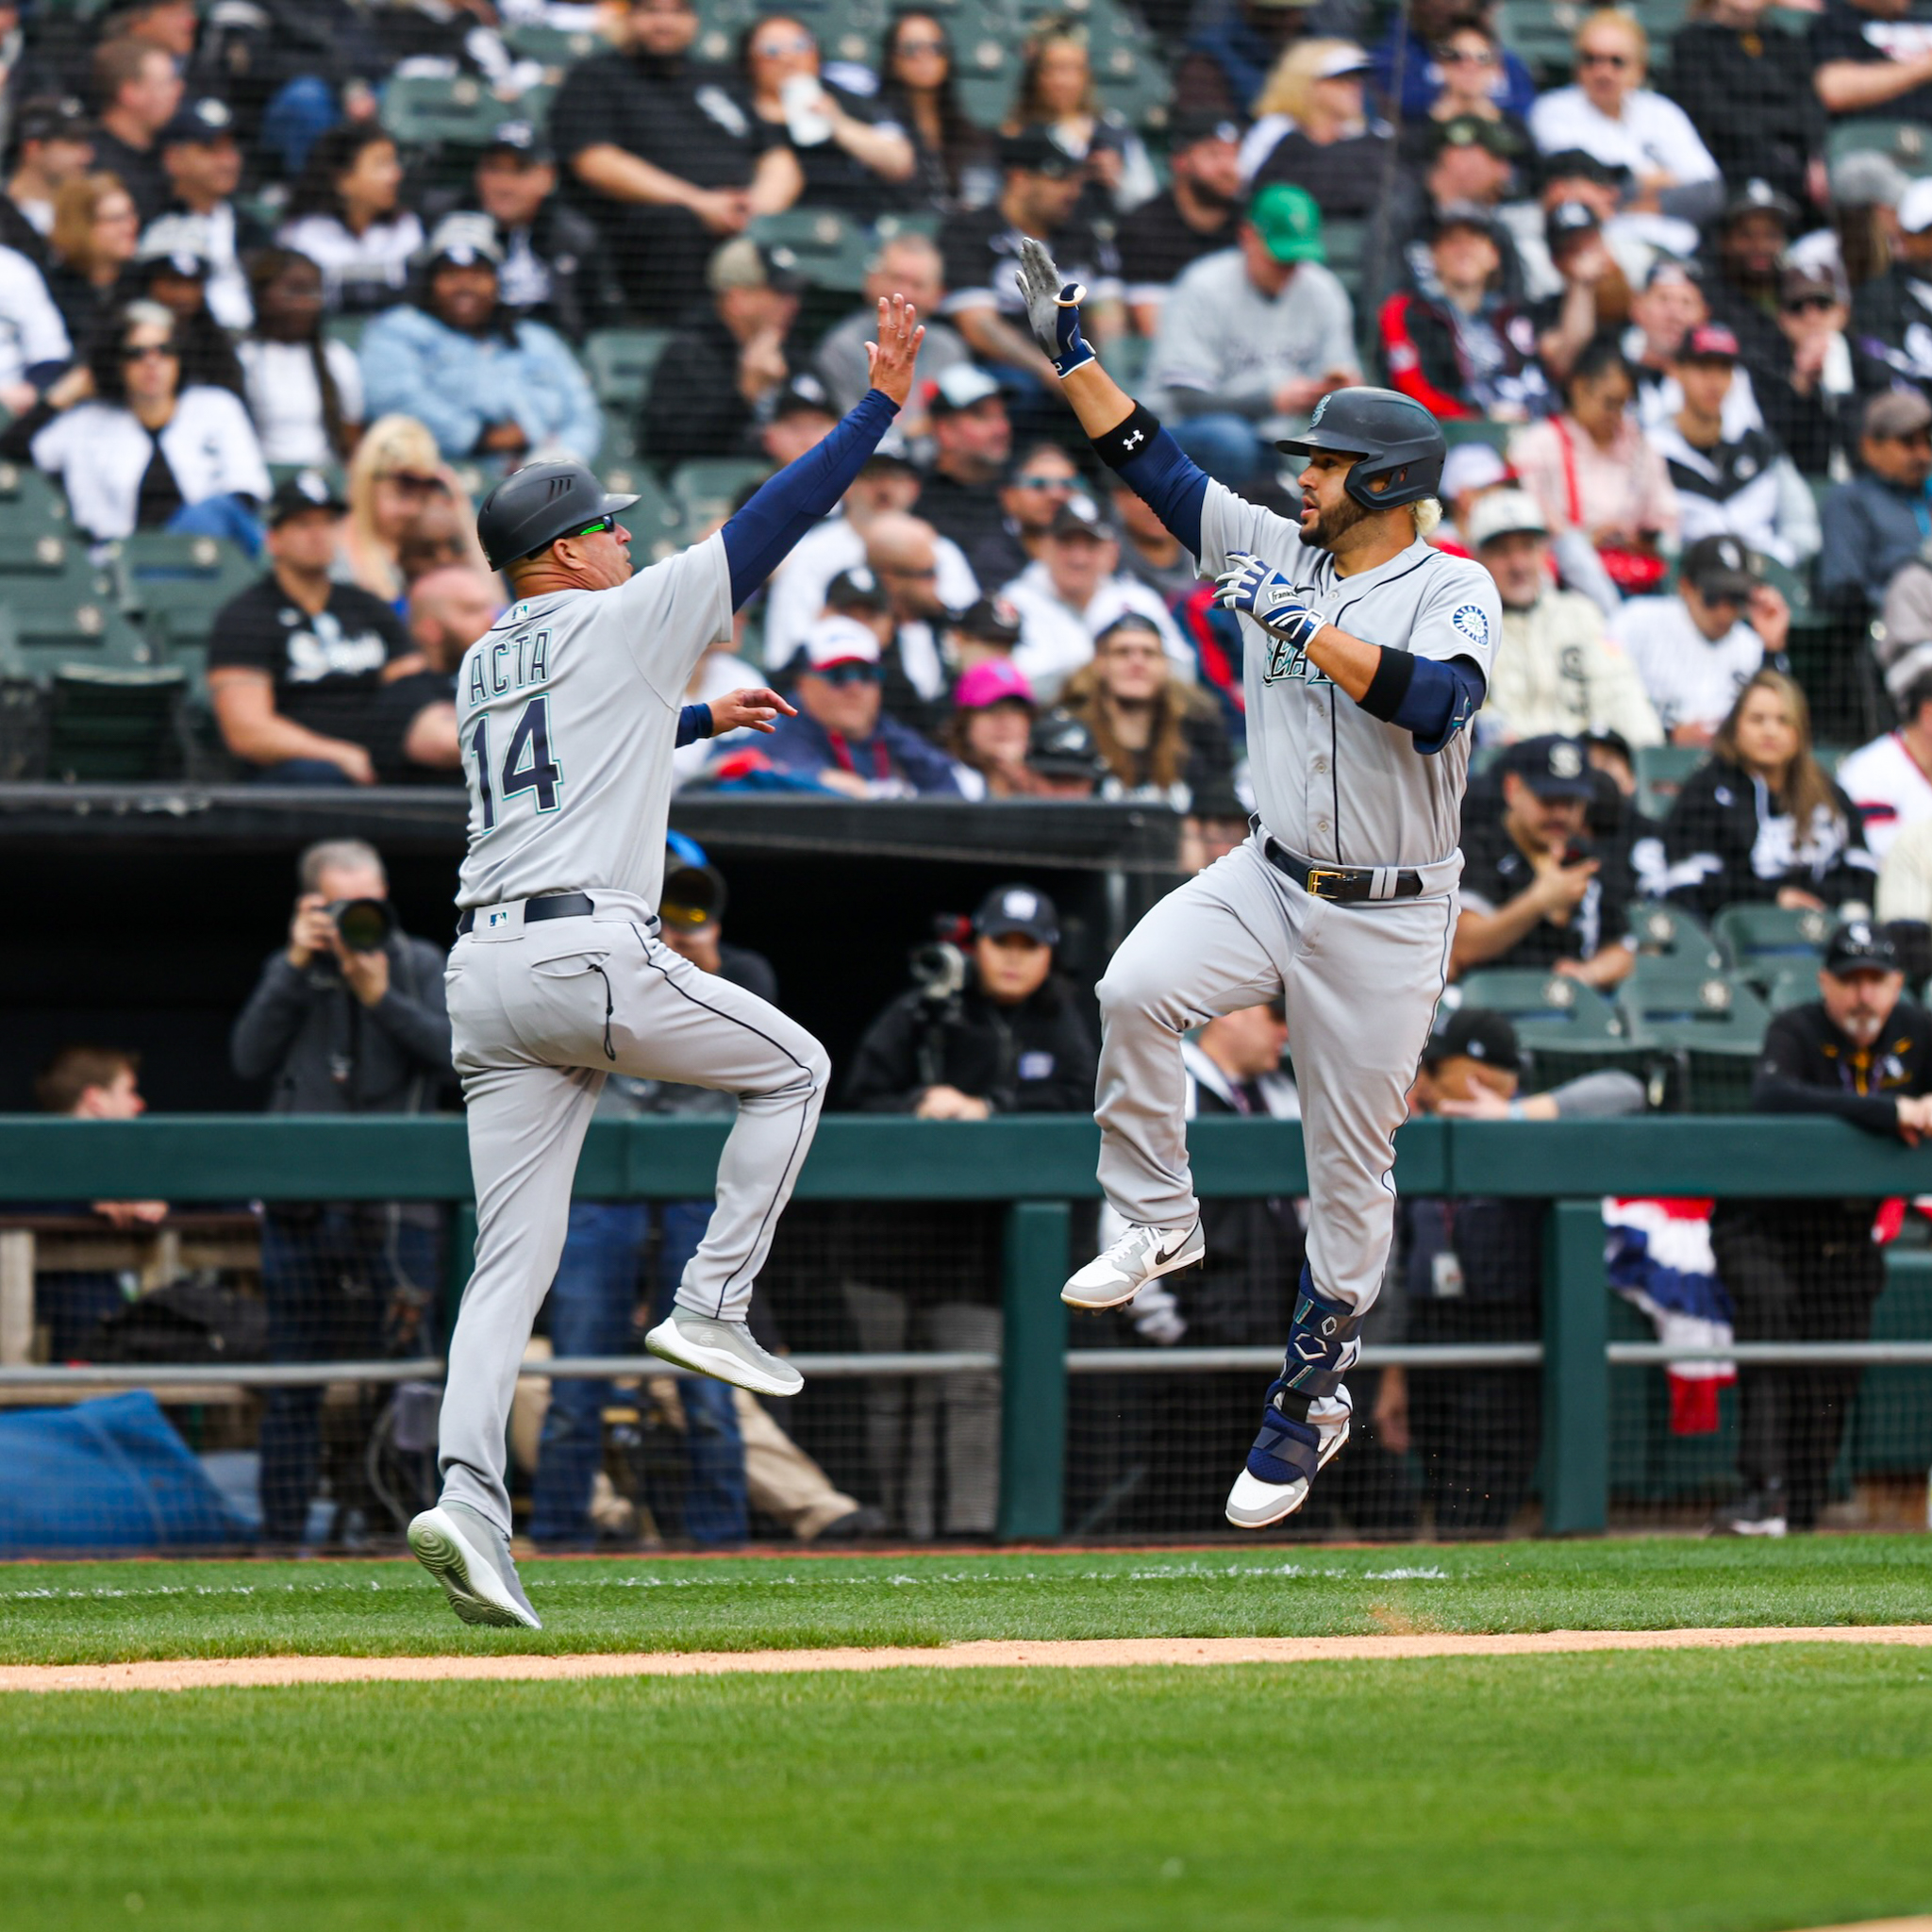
(568, 711)
(1366, 654)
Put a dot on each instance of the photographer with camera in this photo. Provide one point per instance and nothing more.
(1536, 891)
(348, 1017)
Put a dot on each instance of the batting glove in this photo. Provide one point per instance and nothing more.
(1259, 591)
(1052, 307)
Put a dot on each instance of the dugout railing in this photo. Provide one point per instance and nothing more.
(1040, 1170)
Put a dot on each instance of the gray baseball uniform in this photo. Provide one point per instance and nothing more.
(568, 714)
(1360, 981)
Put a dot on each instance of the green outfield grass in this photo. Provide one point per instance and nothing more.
(1748, 1792)
(101, 1613)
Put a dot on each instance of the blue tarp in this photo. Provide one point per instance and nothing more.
(110, 1474)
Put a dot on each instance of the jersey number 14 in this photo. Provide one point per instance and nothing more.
(529, 764)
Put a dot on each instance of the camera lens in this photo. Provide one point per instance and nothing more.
(365, 924)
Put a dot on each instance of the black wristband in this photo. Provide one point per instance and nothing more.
(1394, 673)
(1118, 446)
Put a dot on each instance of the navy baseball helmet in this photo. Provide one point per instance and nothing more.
(529, 511)
(1399, 444)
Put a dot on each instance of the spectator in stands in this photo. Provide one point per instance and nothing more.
(1868, 58)
(1889, 781)
(95, 233)
(1470, 59)
(1252, 338)
(34, 345)
(1663, 312)
(1593, 294)
(1332, 148)
(1149, 550)
(336, 1024)
(1064, 758)
(1468, 164)
(1866, 189)
(802, 417)
(137, 90)
(303, 387)
(667, 161)
(1555, 671)
(172, 268)
(1810, 1270)
(1433, 34)
(1591, 468)
(1039, 191)
(1904, 877)
(202, 161)
(1742, 484)
(990, 729)
(1574, 176)
(1073, 594)
(314, 681)
(902, 556)
(1609, 113)
(555, 269)
(1697, 650)
(1159, 739)
(490, 389)
(1759, 822)
(954, 164)
(1749, 91)
(1537, 891)
(1454, 341)
(1057, 94)
(135, 450)
(1012, 1039)
(1038, 486)
(1892, 317)
(986, 632)
(1809, 392)
(345, 214)
(450, 607)
(852, 154)
(907, 265)
(1231, 50)
(53, 145)
(728, 357)
(1194, 215)
(972, 446)
(1749, 253)
(842, 737)
(1876, 523)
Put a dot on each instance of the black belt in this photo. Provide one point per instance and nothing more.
(557, 906)
(1351, 884)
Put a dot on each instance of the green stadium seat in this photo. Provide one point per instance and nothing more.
(1671, 932)
(30, 502)
(1564, 1028)
(174, 585)
(1791, 986)
(1470, 429)
(986, 70)
(346, 330)
(1661, 770)
(62, 607)
(830, 248)
(1712, 1037)
(707, 486)
(428, 110)
(909, 222)
(111, 725)
(619, 362)
(1539, 32)
(552, 45)
(1907, 142)
(1659, 979)
(1344, 246)
(1766, 939)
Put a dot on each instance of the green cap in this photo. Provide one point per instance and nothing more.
(1288, 222)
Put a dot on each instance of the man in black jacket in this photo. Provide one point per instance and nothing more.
(556, 268)
(1809, 1271)
(349, 1017)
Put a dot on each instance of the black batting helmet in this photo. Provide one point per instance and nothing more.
(530, 510)
(1396, 439)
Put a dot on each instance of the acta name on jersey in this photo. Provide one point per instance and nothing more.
(498, 665)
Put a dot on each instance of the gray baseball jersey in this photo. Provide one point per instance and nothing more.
(1332, 782)
(567, 715)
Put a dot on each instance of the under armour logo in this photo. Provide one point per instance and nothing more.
(1134, 442)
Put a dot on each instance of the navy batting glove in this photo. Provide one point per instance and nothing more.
(1052, 309)
(1259, 591)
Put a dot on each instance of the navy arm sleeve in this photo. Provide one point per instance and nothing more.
(1429, 698)
(758, 538)
(1159, 471)
(693, 722)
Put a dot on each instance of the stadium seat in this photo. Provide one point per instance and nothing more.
(707, 486)
(62, 608)
(830, 248)
(30, 502)
(619, 362)
(1907, 142)
(1564, 1028)
(346, 330)
(1711, 1039)
(1791, 986)
(1760, 939)
(428, 110)
(985, 70)
(1539, 33)
(1661, 770)
(1659, 979)
(113, 723)
(1471, 428)
(1671, 932)
(552, 45)
(1344, 246)
(174, 585)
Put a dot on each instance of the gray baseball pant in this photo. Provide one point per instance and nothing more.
(1360, 985)
(532, 1010)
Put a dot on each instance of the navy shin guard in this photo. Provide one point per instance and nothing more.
(1323, 1345)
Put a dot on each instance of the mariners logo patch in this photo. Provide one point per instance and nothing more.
(1472, 621)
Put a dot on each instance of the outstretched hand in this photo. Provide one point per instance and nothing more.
(890, 361)
(1052, 307)
(753, 709)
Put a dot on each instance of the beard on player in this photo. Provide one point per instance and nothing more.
(1331, 524)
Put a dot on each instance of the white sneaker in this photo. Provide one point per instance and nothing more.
(1253, 1504)
(723, 1350)
(1117, 1273)
(473, 1562)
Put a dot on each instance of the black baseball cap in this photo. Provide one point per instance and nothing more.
(1719, 567)
(1552, 766)
(1193, 126)
(1759, 197)
(991, 619)
(855, 590)
(53, 117)
(1580, 164)
(523, 139)
(1036, 152)
(1474, 1033)
(1062, 747)
(305, 490)
(1859, 946)
(1476, 130)
(1080, 516)
(1017, 908)
(1461, 214)
(1566, 221)
(804, 394)
(200, 124)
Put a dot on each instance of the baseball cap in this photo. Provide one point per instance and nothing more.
(1915, 207)
(804, 394)
(692, 894)
(1859, 946)
(1759, 197)
(1343, 61)
(306, 490)
(892, 448)
(1476, 1033)
(1897, 412)
(1017, 908)
(989, 621)
(964, 386)
(1552, 767)
(1062, 747)
(1474, 465)
(1566, 220)
(1580, 164)
(746, 264)
(199, 122)
(1461, 214)
(855, 590)
(1033, 151)
(1080, 516)
(1193, 126)
(1502, 513)
(1288, 222)
(463, 240)
(1801, 279)
(1867, 178)
(1476, 130)
(992, 683)
(1709, 342)
(53, 117)
(523, 139)
(839, 640)
(1673, 268)
(181, 242)
(1718, 566)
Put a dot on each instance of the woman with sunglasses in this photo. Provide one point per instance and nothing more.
(396, 475)
(854, 156)
(136, 451)
(1611, 115)
(955, 165)
(1810, 403)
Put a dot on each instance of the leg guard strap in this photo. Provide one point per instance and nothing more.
(1323, 1345)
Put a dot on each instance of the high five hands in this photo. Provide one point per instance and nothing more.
(890, 359)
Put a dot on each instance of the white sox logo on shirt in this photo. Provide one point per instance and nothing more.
(1472, 622)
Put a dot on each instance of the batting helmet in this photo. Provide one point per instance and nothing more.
(529, 511)
(1396, 439)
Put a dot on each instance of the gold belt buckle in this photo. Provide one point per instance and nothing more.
(1317, 874)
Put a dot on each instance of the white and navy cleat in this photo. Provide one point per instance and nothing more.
(1122, 1270)
(1284, 1462)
